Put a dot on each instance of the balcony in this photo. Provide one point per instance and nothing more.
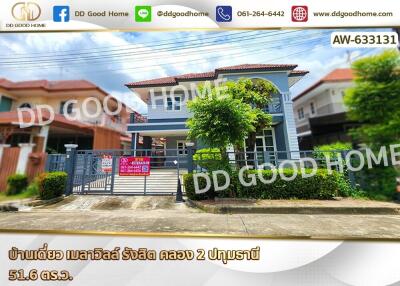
(275, 106)
(106, 121)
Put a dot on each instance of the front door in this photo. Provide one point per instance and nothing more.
(264, 149)
(259, 149)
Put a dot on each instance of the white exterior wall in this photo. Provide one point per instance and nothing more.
(26, 149)
(290, 125)
(327, 99)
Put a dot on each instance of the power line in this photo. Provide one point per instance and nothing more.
(42, 64)
(173, 58)
(139, 52)
(245, 53)
(125, 45)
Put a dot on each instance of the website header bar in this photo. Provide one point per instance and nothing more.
(40, 15)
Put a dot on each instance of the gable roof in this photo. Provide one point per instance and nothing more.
(54, 86)
(337, 75)
(61, 85)
(173, 80)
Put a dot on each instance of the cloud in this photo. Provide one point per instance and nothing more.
(111, 60)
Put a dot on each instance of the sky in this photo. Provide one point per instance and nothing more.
(111, 60)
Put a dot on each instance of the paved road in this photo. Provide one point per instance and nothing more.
(149, 214)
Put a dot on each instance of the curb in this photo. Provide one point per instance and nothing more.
(294, 209)
(14, 206)
(37, 203)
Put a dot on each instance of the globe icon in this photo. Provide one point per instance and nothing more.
(299, 14)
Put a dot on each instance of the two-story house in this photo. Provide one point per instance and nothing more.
(320, 113)
(91, 126)
(167, 111)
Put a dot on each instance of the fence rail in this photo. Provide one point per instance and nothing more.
(56, 162)
(86, 172)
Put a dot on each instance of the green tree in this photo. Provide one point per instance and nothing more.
(258, 94)
(218, 121)
(227, 114)
(374, 101)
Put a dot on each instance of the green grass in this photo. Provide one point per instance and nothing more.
(30, 192)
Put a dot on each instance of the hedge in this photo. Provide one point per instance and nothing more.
(378, 183)
(16, 184)
(320, 186)
(210, 159)
(51, 185)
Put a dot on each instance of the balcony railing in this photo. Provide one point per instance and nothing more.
(275, 106)
(106, 121)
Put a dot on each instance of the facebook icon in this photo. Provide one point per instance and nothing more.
(61, 13)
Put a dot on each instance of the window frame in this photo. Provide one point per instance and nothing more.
(312, 108)
(70, 105)
(300, 113)
(184, 149)
(25, 103)
(176, 105)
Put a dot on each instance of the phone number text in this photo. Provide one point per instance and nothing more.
(244, 13)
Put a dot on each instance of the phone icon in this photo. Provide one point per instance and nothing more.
(224, 13)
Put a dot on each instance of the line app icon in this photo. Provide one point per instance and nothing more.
(143, 13)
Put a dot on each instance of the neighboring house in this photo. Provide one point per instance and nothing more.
(166, 117)
(320, 112)
(96, 131)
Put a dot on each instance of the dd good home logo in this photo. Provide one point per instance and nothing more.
(26, 11)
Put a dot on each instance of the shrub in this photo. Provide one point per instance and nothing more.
(210, 159)
(33, 189)
(378, 183)
(52, 185)
(16, 184)
(188, 182)
(330, 150)
(320, 186)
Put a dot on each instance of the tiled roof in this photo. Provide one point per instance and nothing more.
(339, 75)
(49, 85)
(336, 75)
(298, 72)
(53, 86)
(173, 80)
(256, 67)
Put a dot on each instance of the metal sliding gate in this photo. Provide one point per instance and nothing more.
(97, 172)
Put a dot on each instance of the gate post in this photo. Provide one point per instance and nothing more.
(70, 166)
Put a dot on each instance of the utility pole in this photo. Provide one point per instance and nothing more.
(348, 57)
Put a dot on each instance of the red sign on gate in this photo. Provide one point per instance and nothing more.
(134, 166)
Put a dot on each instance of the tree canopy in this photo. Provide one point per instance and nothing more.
(374, 101)
(220, 121)
(229, 113)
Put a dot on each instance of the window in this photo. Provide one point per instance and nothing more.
(312, 108)
(174, 104)
(25, 105)
(5, 103)
(117, 118)
(69, 107)
(181, 146)
(300, 113)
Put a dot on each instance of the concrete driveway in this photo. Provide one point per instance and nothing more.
(162, 214)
